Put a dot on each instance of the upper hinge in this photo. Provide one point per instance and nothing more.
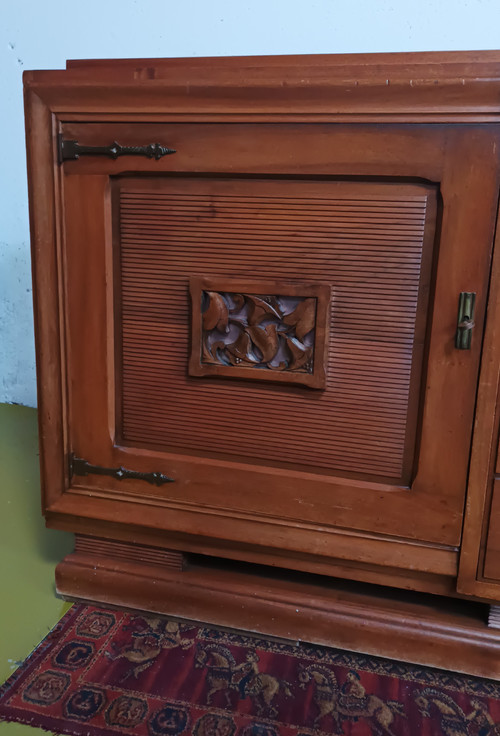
(70, 150)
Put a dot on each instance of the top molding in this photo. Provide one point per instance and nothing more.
(437, 86)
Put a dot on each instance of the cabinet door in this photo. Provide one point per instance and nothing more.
(479, 572)
(267, 318)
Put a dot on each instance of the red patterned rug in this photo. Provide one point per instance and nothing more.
(102, 672)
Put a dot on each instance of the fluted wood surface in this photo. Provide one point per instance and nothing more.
(365, 240)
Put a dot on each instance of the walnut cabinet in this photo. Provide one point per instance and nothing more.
(267, 317)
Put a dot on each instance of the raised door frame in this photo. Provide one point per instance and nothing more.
(53, 97)
(460, 162)
(479, 569)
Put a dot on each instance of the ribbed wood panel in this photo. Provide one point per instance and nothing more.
(365, 240)
(129, 552)
(494, 617)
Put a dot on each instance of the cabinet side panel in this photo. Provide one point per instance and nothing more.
(43, 180)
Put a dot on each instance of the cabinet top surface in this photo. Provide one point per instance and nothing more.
(331, 61)
(457, 82)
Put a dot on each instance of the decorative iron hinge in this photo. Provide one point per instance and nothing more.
(78, 466)
(69, 150)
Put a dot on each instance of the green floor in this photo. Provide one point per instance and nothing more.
(29, 552)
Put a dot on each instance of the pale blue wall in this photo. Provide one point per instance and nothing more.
(42, 34)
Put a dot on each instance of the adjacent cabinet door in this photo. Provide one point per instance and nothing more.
(262, 328)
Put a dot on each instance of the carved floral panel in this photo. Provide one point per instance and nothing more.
(260, 330)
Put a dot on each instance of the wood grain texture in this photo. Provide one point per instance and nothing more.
(365, 242)
(138, 553)
(45, 228)
(247, 537)
(313, 124)
(478, 524)
(443, 84)
(267, 149)
(260, 330)
(408, 576)
(438, 63)
(287, 495)
(491, 562)
(374, 622)
(494, 617)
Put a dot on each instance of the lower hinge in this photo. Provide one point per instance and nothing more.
(79, 466)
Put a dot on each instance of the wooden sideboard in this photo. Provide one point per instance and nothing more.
(267, 323)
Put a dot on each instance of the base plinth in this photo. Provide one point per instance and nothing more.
(428, 630)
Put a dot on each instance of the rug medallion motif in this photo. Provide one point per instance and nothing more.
(102, 672)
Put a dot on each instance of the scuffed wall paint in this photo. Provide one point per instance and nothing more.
(42, 35)
(17, 364)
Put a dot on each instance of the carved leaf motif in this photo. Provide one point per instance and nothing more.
(300, 355)
(257, 332)
(303, 317)
(258, 310)
(265, 339)
(239, 350)
(239, 302)
(209, 355)
(216, 314)
(216, 347)
(283, 366)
